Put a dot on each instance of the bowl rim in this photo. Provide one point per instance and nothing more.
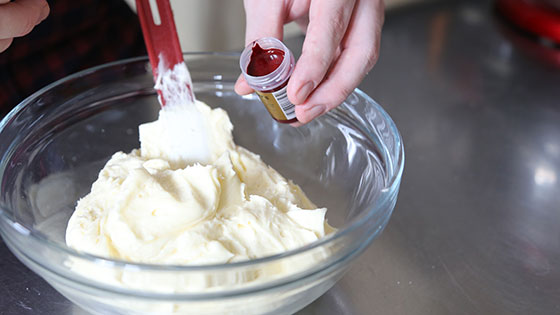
(391, 185)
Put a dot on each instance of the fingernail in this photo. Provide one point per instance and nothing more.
(304, 92)
(316, 111)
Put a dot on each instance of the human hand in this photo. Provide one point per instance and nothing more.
(341, 46)
(19, 17)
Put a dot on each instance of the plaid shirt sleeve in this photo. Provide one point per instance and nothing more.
(78, 34)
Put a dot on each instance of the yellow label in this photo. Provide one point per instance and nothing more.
(272, 105)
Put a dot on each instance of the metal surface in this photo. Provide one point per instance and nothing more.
(476, 229)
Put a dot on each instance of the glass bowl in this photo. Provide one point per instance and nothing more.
(55, 142)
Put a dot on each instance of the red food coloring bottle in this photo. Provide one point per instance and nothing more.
(267, 65)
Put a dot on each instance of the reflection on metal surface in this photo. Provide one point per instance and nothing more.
(438, 36)
(545, 176)
(335, 301)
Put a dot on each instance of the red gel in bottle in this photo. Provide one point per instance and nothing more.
(267, 65)
(264, 61)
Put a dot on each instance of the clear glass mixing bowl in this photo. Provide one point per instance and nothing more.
(54, 143)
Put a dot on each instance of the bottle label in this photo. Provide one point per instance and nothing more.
(278, 104)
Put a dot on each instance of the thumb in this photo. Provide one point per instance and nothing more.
(263, 19)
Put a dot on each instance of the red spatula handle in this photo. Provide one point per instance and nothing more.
(161, 39)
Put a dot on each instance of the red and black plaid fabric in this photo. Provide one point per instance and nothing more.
(78, 34)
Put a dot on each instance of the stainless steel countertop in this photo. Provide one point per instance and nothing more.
(476, 229)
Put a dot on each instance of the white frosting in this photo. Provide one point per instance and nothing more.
(155, 206)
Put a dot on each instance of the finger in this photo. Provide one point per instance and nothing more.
(303, 22)
(5, 43)
(264, 19)
(359, 54)
(328, 21)
(18, 18)
(241, 86)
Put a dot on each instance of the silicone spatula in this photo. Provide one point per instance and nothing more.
(160, 36)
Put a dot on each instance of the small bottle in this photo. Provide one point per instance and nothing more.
(267, 65)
